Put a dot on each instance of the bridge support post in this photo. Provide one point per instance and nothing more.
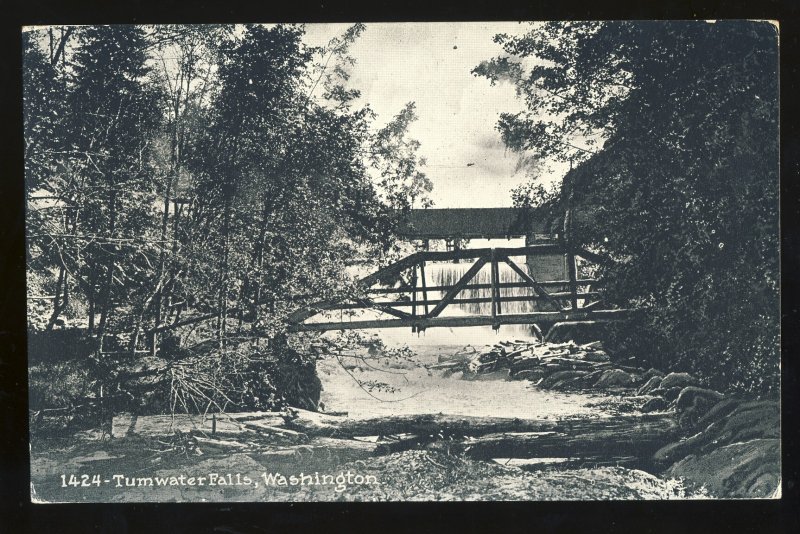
(496, 308)
(573, 280)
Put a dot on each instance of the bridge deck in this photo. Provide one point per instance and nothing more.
(470, 320)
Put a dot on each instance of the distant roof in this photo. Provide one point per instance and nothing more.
(472, 223)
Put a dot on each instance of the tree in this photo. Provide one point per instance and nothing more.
(395, 158)
(676, 126)
(113, 114)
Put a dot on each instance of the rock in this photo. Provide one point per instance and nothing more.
(590, 379)
(653, 383)
(528, 374)
(653, 372)
(693, 402)
(718, 411)
(656, 404)
(670, 394)
(740, 470)
(571, 383)
(597, 356)
(559, 376)
(680, 380)
(750, 420)
(614, 378)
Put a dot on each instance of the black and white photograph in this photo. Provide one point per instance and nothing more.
(403, 261)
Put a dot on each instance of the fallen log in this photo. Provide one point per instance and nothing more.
(317, 424)
(285, 432)
(226, 424)
(322, 452)
(597, 439)
(220, 443)
(127, 424)
(446, 365)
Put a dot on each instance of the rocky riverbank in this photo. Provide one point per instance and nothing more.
(514, 421)
(728, 446)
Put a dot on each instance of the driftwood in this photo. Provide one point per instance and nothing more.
(127, 424)
(603, 440)
(317, 424)
(220, 443)
(260, 426)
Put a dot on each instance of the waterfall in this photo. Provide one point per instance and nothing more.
(447, 274)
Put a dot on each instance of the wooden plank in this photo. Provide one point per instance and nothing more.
(383, 305)
(469, 275)
(469, 320)
(503, 285)
(368, 303)
(469, 253)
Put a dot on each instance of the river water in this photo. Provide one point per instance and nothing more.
(413, 390)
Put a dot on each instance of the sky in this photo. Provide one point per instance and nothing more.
(430, 64)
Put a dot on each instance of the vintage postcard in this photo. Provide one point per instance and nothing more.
(517, 261)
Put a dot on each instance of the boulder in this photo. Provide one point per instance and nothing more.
(693, 402)
(614, 378)
(653, 372)
(720, 410)
(680, 380)
(653, 383)
(670, 394)
(528, 374)
(571, 384)
(750, 420)
(656, 404)
(558, 377)
(748, 469)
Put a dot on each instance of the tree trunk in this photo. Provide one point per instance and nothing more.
(105, 298)
(58, 302)
(319, 424)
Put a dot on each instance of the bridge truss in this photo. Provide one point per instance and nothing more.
(404, 294)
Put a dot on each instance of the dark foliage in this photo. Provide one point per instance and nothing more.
(676, 126)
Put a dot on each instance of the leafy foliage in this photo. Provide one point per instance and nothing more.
(676, 126)
(220, 172)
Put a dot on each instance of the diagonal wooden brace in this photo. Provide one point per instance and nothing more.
(456, 289)
(537, 287)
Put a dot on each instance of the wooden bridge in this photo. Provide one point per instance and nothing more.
(400, 289)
